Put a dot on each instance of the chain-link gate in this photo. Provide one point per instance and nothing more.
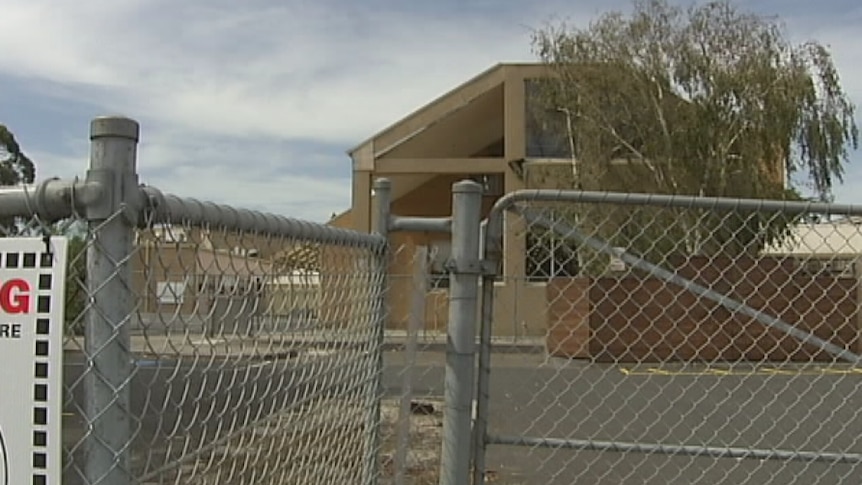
(688, 340)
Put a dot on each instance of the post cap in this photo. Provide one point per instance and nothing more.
(114, 126)
(466, 187)
(382, 183)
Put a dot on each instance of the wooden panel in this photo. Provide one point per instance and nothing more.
(462, 133)
(361, 201)
(568, 317)
(648, 320)
(437, 109)
(466, 165)
(514, 106)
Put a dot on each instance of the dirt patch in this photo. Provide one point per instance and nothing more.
(422, 458)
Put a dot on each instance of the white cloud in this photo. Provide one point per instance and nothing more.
(263, 174)
(291, 194)
(309, 181)
(294, 71)
(219, 87)
(324, 71)
(256, 176)
(223, 88)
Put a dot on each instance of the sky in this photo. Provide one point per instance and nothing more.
(255, 103)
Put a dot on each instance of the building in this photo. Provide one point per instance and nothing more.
(192, 279)
(832, 246)
(482, 130)
(486, 129)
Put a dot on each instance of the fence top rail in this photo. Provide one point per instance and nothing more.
(55, 199)
(493, 241)
(164, 208)
(50, 200)
(675, 201)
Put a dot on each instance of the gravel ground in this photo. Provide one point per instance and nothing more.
(423, 449)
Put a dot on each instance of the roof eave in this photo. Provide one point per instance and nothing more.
(496, 68)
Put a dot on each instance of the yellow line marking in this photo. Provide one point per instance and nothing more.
(765, 371)
(660, 372)
(785, 372)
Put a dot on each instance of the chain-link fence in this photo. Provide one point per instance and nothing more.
(413, 378)
(651, 339)
(687, 340)
(206, 344)
(254, 358)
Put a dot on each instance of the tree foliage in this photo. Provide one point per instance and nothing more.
(76, 284)
(705, 100)
(15, 168)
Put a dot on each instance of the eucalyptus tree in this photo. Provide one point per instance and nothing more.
(15, 169)
(703, 100)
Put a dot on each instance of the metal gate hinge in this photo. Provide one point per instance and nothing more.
(478, 267)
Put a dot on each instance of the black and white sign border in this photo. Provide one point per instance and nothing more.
(42, 262)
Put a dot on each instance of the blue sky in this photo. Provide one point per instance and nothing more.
(254, 103)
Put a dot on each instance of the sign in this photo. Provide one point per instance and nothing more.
(171, 292)
(617, 264)
(32, 283)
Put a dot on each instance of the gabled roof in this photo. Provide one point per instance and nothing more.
(439, 108)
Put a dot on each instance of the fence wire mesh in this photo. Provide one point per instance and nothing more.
(414, 364)
(678, 345)
(254, 358)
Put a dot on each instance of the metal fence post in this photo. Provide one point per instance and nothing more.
(113, 144)
(383, 199)
(492, 252)
(464, 272)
